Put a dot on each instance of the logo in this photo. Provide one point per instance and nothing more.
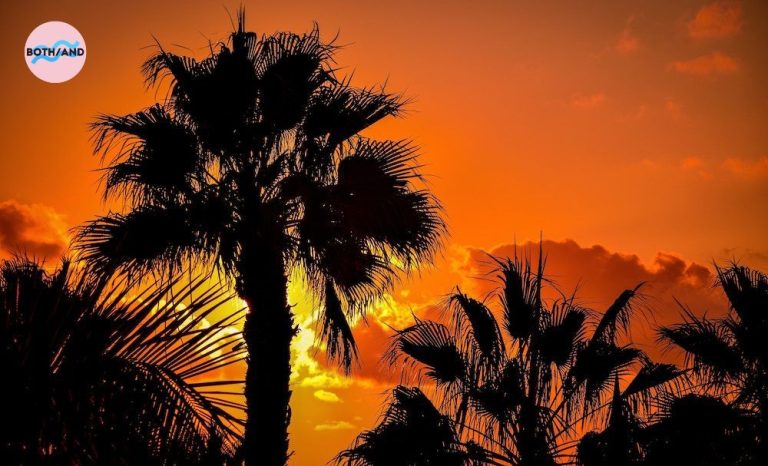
(55, 52)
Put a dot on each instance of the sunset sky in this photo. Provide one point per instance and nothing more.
(633, 135)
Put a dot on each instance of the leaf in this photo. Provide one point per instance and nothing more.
(432, 345)
(484, 330)
(336, 332)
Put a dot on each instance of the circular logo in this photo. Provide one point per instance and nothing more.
(55, 52)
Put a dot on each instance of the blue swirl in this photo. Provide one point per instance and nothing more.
(60, 43)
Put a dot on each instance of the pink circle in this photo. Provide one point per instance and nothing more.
(55, 52)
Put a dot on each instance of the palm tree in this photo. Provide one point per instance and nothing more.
(412, 432)
(515, 391)
(254, 166)
(96, 375)
(623, 440)
(729, 356)
(701, 430)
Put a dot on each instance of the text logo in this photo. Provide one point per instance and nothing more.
(55, 52)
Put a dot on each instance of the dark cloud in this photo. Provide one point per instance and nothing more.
(35, 230)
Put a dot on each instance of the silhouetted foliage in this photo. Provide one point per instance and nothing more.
(514, 393)
(412, 431)
(723, 420)
(111, 375)
(254, 165)
(702, 431)
(729, 357)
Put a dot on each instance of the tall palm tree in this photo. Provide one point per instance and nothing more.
(516, 390)
(730, 355)
(254, 165)
(109, 375)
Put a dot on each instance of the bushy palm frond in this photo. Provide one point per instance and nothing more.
(136, 240)
(617, 317)
(595, 368)
(432, 345)
(563, 335)
(521, 295)
(707, 346)
(99, 373)
(336, 331)
(477, 324)
(412, 432)
(651, 382)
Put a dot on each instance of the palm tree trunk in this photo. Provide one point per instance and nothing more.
(268, 332)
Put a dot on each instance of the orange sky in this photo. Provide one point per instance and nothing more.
(639, 126)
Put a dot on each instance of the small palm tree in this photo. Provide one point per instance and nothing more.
(515, 391)
(729, 356)
(254, 165)
(97, 375)
(701, 430)
(412, 432)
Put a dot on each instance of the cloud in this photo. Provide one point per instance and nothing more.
(588, 100)
(747, 168)
(692, 163)
(328, 397)
(717, 20)
(598, 274)
(697, 165)
(334, 425)
(674, 109)
(33, 229)
(715, 63)
(627, 42)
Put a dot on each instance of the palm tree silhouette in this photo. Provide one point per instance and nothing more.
(701, 430)
(412, 432)
(729, 356)
(254, 166)
(622, 441)
(112, 375)
(514, 391)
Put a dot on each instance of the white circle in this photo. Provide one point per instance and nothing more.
(55, 52)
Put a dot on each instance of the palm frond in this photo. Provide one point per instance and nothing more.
(651, 382)
(746, 289)
(707, 344)
(378, 203)
(560, 338)
(432, 345)
(475, 322)
(289, 69)
(155, 156)
(617, 317)
(336, 332)
(340, 111)
(143, 240)
(596, 365)
(413, 432)
(112, 369)
(521, 298)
